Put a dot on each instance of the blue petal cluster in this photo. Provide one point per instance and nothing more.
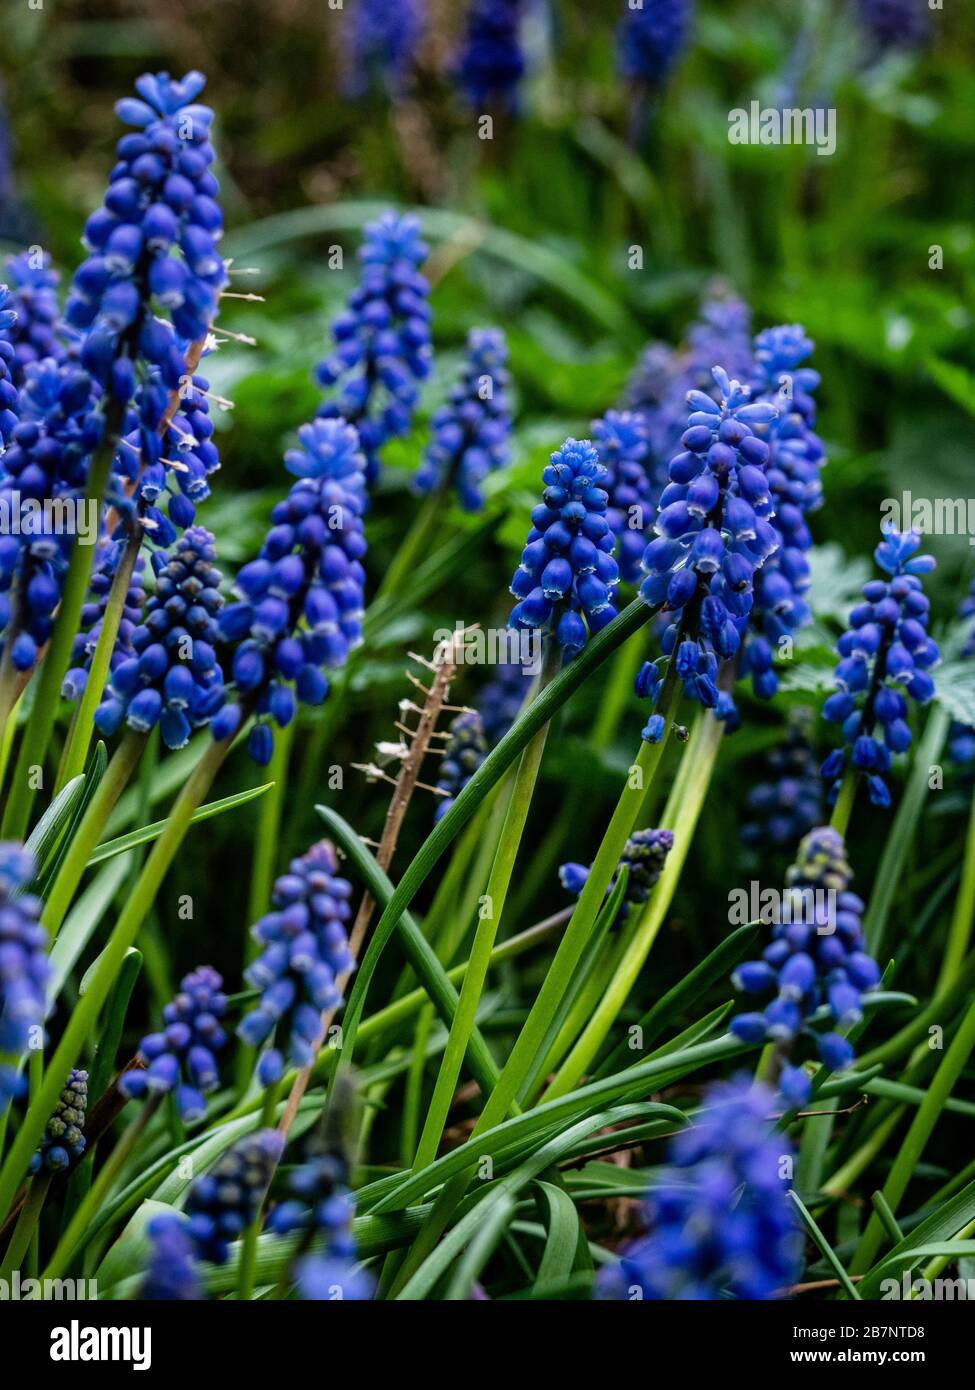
(172, 678)
(721, 1222)
(64, 1137)
(796, 459)
(45, 463)
(644, 856)
(501, 698)
(713, 532)
(491, 62)
(781, 809)
(886, 654)
(182, 1059)
(470, 433)
(110, 554)
(567, 576)
(304, 954)
(651, 40)
(382, 341)
(171, 1274)
(323, 1203)
(383, 38)
(8, 367)
(466, 749)
(961, 737)
(623, 443)
(36, 334)
(24, 967)
(894, 23)
(302, 598)
(222, 1203)
(153, 244)
(815, 961)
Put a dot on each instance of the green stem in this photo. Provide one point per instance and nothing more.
(75, 753)
(484, 939)
(959, 933)
(699, 759)
(415, 543)
(82, 1021)
(40, 726)
(26, 1225)
(840, 818)
(915, 1141)
(90, 829)
(93, 1199)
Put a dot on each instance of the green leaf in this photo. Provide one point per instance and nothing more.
(44, 838)
(82, 922)
(109, 848)
(954, 687)
(562, 1241)
(942, 1225)
(93, 775)
(825, 1249)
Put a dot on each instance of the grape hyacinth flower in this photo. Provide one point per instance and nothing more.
(383, 39)
(382, 340)
(894, 23)
(501, 698)
(171, 1274)
(64, 1137)
(109, 557)
(886, 654)
(961, 737)
(567, 575)
(153, 245)
(816, 960)
(652, 38)
(644, 857)
(304, 954)
(24, 967)
(491, 63)
(46, 461)
(302, 598)
(172, 678)
(713, 532)
(8, 369)
(36, 334)
(782, 809)
(465, 750)
(720, 1218)
(322, 1204)
(470, 433)
(182, 1059)
(796, 460)
(622, 441)
(223, 1202)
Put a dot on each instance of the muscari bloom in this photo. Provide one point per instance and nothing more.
(651, 39)
(782, 808)
(302, 598)
(382, 345)
(500, 699)
(894, 23)
(721, 1222)
(110, 554)
(644, 856)
(64, 1137)
(622, 441)
(491, 62)
(567, 575)
(172, 678)
(171, 1274)
(323, 1204)
(713, 532)
(816, 961)
(8, 368)
(36, 334)
(470, 433)
(961, 737)
(886, 654)
(304, 953)
(24, 967)
(465, 750)
(383, 38)
(153, 245)
(223, 1202)
(796, 459)
(182, 1059)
